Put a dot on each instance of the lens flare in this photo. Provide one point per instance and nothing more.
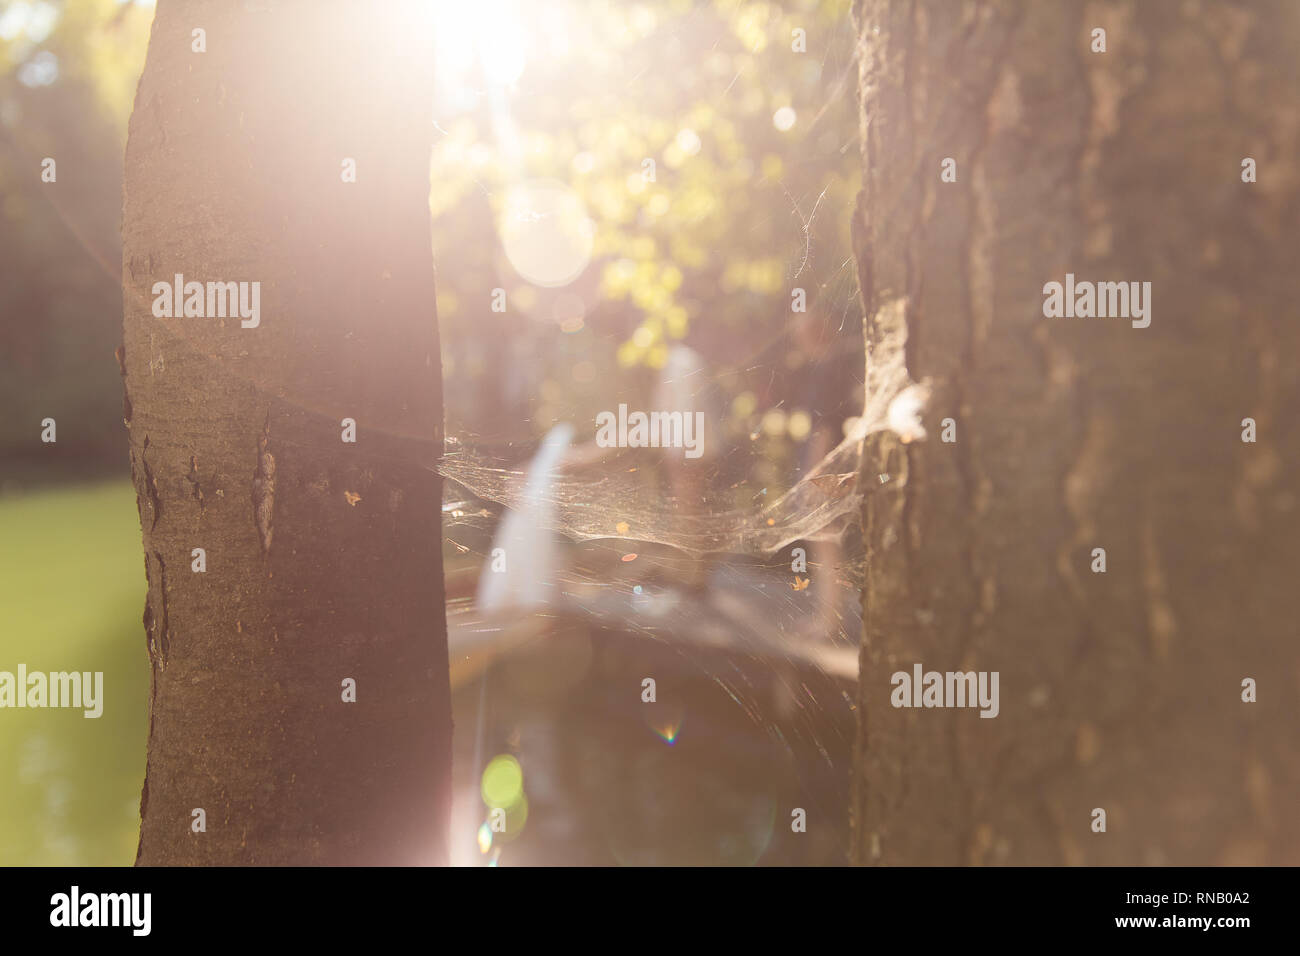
(665, 718)
(668, 732)
(503, 782)
(546, 232)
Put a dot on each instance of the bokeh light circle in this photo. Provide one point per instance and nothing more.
(503, 782)
(546, 232)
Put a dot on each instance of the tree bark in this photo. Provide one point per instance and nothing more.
(323, 557)
(1119, 690)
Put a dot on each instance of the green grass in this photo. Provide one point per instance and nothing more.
(72, 593)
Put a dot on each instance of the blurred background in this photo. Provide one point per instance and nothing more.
(708, 151)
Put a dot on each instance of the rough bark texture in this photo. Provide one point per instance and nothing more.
(323, 557)
(1119, 690)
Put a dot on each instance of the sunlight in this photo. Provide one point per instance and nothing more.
(481, 42)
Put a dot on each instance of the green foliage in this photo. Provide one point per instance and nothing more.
(704, 255)
(707, 252)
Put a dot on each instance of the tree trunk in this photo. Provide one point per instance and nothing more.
(1121, 690)
(323, 556)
